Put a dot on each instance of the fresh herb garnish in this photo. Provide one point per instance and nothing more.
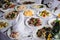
(12, 15)
(41, 6)
(35, 21)
(56, 26)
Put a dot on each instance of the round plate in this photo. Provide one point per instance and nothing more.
(50, 14)
(9, 25)
(6, 10)
(34, 6)
(8, 13)
(21, 9)
(36, 37)
(9, 32)
(26, 22)
(33, 12)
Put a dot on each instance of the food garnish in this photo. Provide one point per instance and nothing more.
(44, 13)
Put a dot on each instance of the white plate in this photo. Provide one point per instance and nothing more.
(9, 32)
(8, 13)
(6, 10)
(35, 5)
(22, 1)
(36, 37)
(50, 13)
(51, 20)
(39, 38)
(33, 12)
(38, 27)
(57, 12)
(20, 6)
(9, 25)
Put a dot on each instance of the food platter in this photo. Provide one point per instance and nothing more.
(27, 2)
(38, 6)
(45, 33)
(38, 38)
(29, 13)
(8, 7)
(29, 17)
(20, 7)
(4, 25)
(13, 34)
(44, 13)
(11, 15)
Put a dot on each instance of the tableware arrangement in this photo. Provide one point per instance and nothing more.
(14, 35)
(38, 22)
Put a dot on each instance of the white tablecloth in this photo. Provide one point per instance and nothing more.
(20, 27)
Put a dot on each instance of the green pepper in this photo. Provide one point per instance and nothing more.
(12, 15)
(41, 6)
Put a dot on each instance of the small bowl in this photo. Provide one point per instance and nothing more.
(34, 6)
(22, 7)
(49, 16)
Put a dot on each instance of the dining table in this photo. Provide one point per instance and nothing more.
(19, 23)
